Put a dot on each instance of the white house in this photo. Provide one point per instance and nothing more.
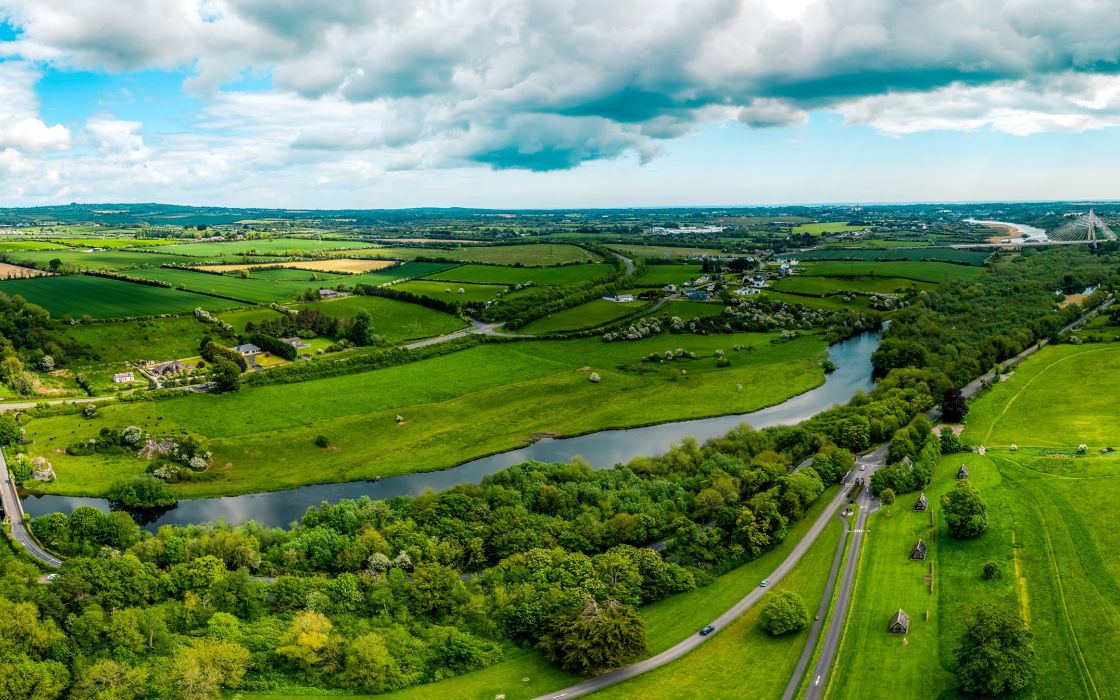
(746, 291)
(123, 377)
(620, 298)
(247, 349)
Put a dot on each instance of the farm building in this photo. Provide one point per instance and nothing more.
(962, 473)
(697, 294)
(746, 291)
(922, 503)
(296, 343)
(900, 623)
(669, 288)
(163, 368)
(123, 377)
(919, 551)
(331, 294)
(621, 298)
(247, 349)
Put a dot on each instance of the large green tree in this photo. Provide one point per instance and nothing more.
(996, 653)
(594, 638)
(965, 512)
(785, 612)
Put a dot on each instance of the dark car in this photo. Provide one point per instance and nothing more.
(707, 630)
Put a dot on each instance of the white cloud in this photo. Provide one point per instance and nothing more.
(20, 125)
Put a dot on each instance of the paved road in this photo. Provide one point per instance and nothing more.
(9, 498)
(595, 684)
(626, 261)
(476, 327)
(866, 504)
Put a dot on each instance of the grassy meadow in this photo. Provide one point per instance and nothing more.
(590, 315)
(661, 275)
(253, 289)
(824, 286)
(213, 250)
(395, 321)
(521, 389)
(449, 291)
(98, 297)
(528, 254)
(912, 270)
(495, 274)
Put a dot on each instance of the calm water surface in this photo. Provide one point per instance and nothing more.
(602, 449)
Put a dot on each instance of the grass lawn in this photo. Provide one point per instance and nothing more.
(257, 290)
(141, 339)
(521, 389)
(449, 291)
(393, 320)
(824, 286)
(590, 315)
(267, 246)
(99, 297)
(494, 274)
(909, 269)
(661, 275)
(529, 254)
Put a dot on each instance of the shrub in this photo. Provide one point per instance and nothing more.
(887, 497)
(594, 378)
(991, 570)
(321, 441)
(144, 491)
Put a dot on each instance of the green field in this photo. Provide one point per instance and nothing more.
(913, 270)
(661, 251)
(590, 315)
(521, 390)
(395, 321)
(142, 339)
(107, 260)
(449, 291)
(99, 297)
(661, 275)
(969, 257)
(528, 255)
(238, 319)
(294, 274)
(216, 250)
(20, 245)
(821, 227)
(254, 289)
(823, 286)
(407, 271)
(494, 274)
(686, 310)
(116, 242)
(832, 303)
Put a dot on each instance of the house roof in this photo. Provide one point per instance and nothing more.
(923, 500)
(247, 347)
(900, 618)
(962, 472)
(920, 547)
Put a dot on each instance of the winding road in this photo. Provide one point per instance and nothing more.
(13, 509)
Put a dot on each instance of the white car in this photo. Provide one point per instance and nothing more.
(863, 467)
(765, 583)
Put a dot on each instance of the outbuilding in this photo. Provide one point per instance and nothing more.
(900, 623)
(962, 473)
(919, 551)
(922, 503)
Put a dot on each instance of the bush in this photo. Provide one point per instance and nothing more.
(887, 497)
(142, 492)
(321, 441)
(991, 571)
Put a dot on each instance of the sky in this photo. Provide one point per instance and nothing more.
(556, 103)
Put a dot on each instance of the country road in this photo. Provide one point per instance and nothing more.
(9, 498)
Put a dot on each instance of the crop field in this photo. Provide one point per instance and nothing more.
(260, 290)
(392, 274)
(824, 286)
(661, 275)
(954, 255)
(79, 295)
(821, 227)
(343, 265)
(141, 339)
(520, 389)
(493, 274)
(658, 251)
(15, 272)
(590, 315)
(291, 274)
(529, 254)
(449, 291)
(395, 321)
(105, 260)
(913, 270)
(265, 246)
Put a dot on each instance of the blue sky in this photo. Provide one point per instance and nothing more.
(555, 103)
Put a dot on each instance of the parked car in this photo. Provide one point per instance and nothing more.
(765, 583)
(863, 467)
(705, 631)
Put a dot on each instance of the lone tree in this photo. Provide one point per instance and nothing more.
(786, 612)
(965, 512)
(996, 653)
(953, 406)
(594, 638)
(886, 496)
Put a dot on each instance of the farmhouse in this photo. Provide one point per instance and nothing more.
(331, 294)
(296, 343)
(247, 349)
(747, 291)
(922, 503)
(962, 473)
(919, 551)
(669, 288)
(621, 298)
(900, 623)
(759, 281)
(123, 377)
(163, 368)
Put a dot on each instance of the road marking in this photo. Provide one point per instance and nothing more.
(818, 682)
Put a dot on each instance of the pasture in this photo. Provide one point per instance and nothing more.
(954, 255)
(494, 274)
(935, 272)
(449, 291)
(822, 227)
(117, 242)
(10, 245)
(98, 297)
(686, 310)
(829, 303)
(341, 265)
(663, 251)
(257, 290)
(141, 339)
(527, 254)
(392, 274)
(395, 321)
(101, 260)
(211, 250)
(661, 275)
(824, 286)
(590, 315)
(520, 389)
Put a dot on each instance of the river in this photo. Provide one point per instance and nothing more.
(1032, 232)
(606, 448)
